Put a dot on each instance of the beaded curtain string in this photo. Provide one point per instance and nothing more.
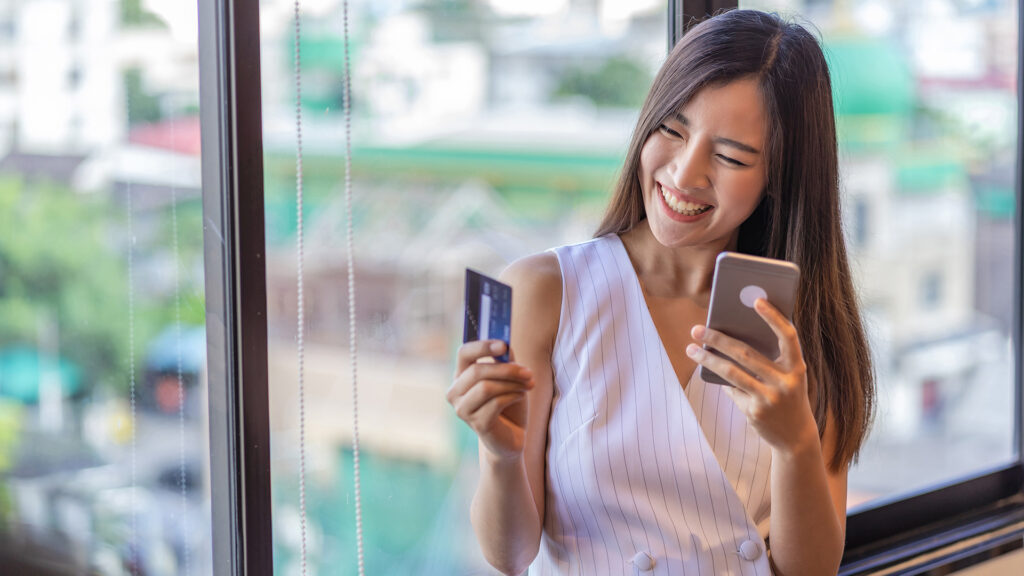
(349, 242)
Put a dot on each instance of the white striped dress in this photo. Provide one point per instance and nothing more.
(642, 476)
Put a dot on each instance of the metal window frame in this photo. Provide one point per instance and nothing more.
(683, 14)
(236, 303)
(960, 523)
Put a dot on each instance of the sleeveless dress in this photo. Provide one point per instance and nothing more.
(642, 476)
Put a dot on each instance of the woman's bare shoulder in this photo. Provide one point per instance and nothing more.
(534, 272)
(536, 282)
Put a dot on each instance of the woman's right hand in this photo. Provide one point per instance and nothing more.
(491, 397)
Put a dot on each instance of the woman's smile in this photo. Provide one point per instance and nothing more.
(681, 207)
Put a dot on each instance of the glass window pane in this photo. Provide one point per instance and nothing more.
(926, 105)
(482, 131)
(103, 417)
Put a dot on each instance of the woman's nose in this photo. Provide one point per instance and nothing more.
(689, 168)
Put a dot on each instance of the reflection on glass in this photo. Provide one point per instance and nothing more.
(926, 104)
(482, 131)
(103, 458)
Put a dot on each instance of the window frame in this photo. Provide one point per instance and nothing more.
(933, 530)
(235, 276)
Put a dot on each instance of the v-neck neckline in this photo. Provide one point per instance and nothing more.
(649, 319)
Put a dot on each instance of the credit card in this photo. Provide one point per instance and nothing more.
(488, 311)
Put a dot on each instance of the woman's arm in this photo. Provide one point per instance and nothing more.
(808, 514)
(808, 518)
(508, 508)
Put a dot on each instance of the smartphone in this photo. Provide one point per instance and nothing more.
(488, 311)
(739, 280)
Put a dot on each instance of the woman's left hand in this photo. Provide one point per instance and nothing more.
(773, 395)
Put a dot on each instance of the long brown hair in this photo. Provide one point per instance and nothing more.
(798, 217)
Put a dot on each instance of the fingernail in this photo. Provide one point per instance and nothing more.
(497, 347)
(692, 350)
(697, 331)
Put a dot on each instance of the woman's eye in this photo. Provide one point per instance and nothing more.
(731, 161)
(669, 131)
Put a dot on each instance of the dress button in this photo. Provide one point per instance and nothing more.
(643, 561)
(750, 550)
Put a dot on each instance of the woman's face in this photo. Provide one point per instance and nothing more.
(702, 172)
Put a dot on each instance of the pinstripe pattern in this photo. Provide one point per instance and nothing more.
(634, 462)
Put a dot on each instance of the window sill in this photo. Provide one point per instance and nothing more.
(945, 547)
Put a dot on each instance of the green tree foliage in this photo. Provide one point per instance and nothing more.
(616, 83)
(134, 15)
(190, 263)
(63, 257)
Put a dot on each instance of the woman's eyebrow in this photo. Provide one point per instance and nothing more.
(720, 140)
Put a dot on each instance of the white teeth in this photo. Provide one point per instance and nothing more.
(683, 207)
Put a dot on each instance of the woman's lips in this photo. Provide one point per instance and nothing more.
(673, 214)
(679, 195)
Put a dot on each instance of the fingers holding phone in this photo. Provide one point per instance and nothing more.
(737, 363)
(790, 353)
(752, 346)
(740, 280)
(772, 394)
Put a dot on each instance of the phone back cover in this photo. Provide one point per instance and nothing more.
(729, 315)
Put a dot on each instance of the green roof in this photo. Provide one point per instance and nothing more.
(923, 173)
(869, 77)
(998, 202)
(555, 169)
(535, 183)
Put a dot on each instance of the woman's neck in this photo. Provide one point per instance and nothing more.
(664, 272)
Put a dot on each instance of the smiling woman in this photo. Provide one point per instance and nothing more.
(735, 149)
